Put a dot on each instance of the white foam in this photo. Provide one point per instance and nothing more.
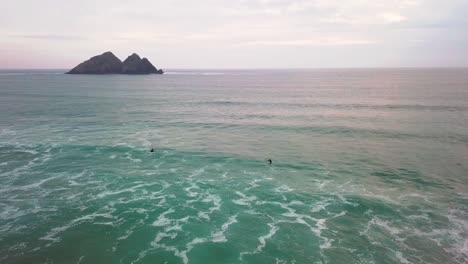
(105, 223)
(37, 184)
(126, 235)
(262, 239)
(92, 217)
(30, 151)
(182, 254)
(326, 244)
(457, 232)
(197, 173)
(320, 224)
(162, 220)
(216, 237)
(6, 131)
(141, 210)
(245, 199)
(18, 246)
(129, 156)
(163, 201)
(219, 236)
(295, 202)
(401, 259)
(216, 200)
(130, 189)
(385, 225)
(161, 235)
(284, 188)
(189, 189)
(52, 234)
(79, 175)
(177, 226)
(141, 255)
(253, 184)
(281, 261)
(73, 183)
(424, 217)
(203, 215)
(319, 206)
(10, 212)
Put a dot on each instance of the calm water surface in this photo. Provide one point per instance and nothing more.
(369, 166)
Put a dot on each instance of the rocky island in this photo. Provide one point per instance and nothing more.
(108, 63)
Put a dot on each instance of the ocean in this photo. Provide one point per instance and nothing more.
(368, 166)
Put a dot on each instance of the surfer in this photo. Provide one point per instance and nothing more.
(269, 161)
(152, 150)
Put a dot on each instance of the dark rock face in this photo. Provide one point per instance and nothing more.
(130, 65)
(105, 63)
(135, 65)
(108, 63)
(146, 66)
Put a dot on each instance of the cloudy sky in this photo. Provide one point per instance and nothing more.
(236, 33)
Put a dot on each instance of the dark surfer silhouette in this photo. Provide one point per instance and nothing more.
(152, 150)
(269, 161)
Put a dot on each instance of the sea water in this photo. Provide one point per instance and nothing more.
(368, 166)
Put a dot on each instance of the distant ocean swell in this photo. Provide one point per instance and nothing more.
(340, 106)
(452, 138)
(368, 166)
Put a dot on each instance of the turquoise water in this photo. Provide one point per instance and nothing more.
(369, 166)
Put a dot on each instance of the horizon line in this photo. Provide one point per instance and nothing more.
(289, 68)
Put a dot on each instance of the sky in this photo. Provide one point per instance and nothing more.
(236, 33)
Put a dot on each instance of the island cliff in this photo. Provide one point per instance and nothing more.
(108, 63)
(135, 65)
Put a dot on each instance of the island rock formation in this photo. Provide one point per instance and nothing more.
(108, 63)
(135, 65)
